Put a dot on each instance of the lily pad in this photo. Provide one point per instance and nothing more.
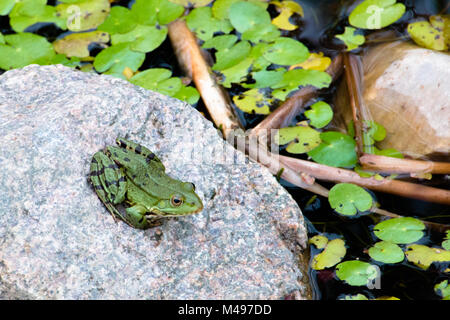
(424, 256)
(142, 38)
(28, 12)
(286, 51)
(319, 241)
(373, 131)
(245, 15)
(443, 289)
(188, 94)
(336, 150)
(261, 32)
(220, 8)
(26, 48)
(6, 6)
(253, 101)
(302, 139)
(356, 273)
(429, 35)
(376, 14)
(120, 20)
(358, 296)
(116, 58)
(400, 230)
(266, 78)
(315, 61)
(195, 3)
(332, 254)
(387, 252)
(236, 73)
(351, 39)
(347, 199)
(220, 42)
(76, 44)
(84, 14)
(229, 57)
(446, 242)
(152, 12)
(295, 78)
(320, 114)
(201, 21)
(286, 9)
(257, 55)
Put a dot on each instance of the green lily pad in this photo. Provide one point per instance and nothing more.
(358, 296)
(120, 20)
(347, 199)
(116, 58)
(332, 254)
(356, 273)
(142, 38)
(443, 289)
(150, 78)
(390, 152)
(220, 42)
(188, 94)
(261, 32)
(424, 256)
(76, 44)
(83, 14)
(320, 114)
(229, 57)
(26, 48)
(302, 139)
(253, 101)
(336, 150)
(286, 51)
(319, 241)
(295, 78)
(2, 38)
(6, 6)
(201, 21)
(236, 73)
(387, 252)
(446, 242)
(266, 78)
(151, 12)
(246, 15)
(351, 39)
(257, 55)
(195, 3)
(28, 12)
(400, 230)
(376, 14)
(429, 35)
(373, 131)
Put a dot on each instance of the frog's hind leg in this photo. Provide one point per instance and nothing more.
(141, 150)
(109, 183)
(136, 216)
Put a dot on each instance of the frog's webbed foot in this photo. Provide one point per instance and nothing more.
(109, 183)
(136, 217)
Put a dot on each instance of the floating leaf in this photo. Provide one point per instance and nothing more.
(116, 58)
(245, 15)
(400, 230)
(292, 79)
(356, 273)
(429, 35)
(84, 14)
(188, 94)
(28, 12)
(236, 73)
(201, 21)
(391, 152)
(151, 12)
(76, 44)
(387, 252)
(315, 61)
(443, 289)
(195, 3)
(257, 55)
(336, 150)
(358, 296)
(373, 131)
(424, 256)
(348, 199)
(120, 20)
(261, 32)
(142, 38)
(320, 114)
(266, 78)
(286, 9)
(220, 42)
(6, 6)
(302, 139)
(332, 254)
(319, 241)
(253, 101)
(2, 39)
(446, 242)
(376, 14)
(286, 51)
(229, 57)
(26, 48)
(351, 39)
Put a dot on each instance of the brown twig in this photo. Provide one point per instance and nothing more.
(395, 165)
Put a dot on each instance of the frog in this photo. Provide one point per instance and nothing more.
(129, 173)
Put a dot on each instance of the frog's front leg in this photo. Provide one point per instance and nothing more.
(109, 182)
(136, 216)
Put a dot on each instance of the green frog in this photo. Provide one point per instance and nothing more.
(131, 173)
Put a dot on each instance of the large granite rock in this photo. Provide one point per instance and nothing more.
(57, 241)
(407, 89)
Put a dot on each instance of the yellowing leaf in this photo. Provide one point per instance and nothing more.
(286, 9)
(76, 44)
(316, 61)
(332, 254)
(424, 256)
(253, 101)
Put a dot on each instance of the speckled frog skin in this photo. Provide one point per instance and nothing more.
(132, 174)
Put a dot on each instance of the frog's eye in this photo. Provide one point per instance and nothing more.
(176, 201)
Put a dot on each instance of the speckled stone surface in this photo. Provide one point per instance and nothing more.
(57, 241)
